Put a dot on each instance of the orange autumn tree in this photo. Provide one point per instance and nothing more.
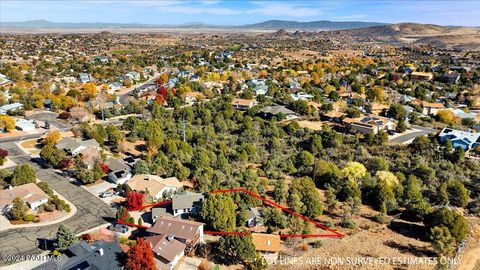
(140, 256)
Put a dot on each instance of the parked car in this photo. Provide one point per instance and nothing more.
(118, 228)
(107, 194)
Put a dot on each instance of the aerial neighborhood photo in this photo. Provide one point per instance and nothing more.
(229, 134)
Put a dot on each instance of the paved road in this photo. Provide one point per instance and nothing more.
(410, 136)
(91, 212)
(123, 97)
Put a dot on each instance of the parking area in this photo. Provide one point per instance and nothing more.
(52, 118)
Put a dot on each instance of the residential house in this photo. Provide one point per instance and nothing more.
(333, 116)
(459, 138)
(243, 104)
(133, 75)
(4, 80)
(12, 107)
(118, 171)
(188, 202)
(84, 77)
(74, 146)
(253, 217)
(421, 76)
(90, 156)
(30, 193)
(431, 108)
(464, 115)
(155, 185)
(193, 97)
(260, 90)
(171, 238)
(114, 86)
(277, 110)
(25, 124)
(98, 255)
(301, 96)
(267, 244)
(369, 124)
(378, 108)
(451, 78)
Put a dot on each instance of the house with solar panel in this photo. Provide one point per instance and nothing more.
(463, 139)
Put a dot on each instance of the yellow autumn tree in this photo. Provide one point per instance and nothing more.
(90, 90)
(53, 137)
(7, 123)
(354, 170)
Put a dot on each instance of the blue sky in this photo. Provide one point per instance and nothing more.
(231, 12)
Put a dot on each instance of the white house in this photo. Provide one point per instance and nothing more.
(11, 107)
(301, 96)
(84, 77)
(25, 125)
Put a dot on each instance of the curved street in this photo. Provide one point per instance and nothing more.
(91, 211)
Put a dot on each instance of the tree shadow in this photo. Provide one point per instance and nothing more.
(411, 230)
(412, 249)
(45, 244)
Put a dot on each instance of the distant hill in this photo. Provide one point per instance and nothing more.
(315, 25)
(39, 24)
(268, 25)
(440, 36)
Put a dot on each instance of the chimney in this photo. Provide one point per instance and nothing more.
(100, 251)
(268, 242)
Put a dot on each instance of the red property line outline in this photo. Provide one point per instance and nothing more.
(334, 234)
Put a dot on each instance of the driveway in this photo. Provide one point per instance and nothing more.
(95, 190)
(91, 211)
(409, 136)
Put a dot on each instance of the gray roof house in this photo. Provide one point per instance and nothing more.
(99, 255)
(84, 77)
(253, 217)
(188, 202)
(118, 171)
(275, 110)
(74, 146)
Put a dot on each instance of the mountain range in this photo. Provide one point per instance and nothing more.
(267, 25)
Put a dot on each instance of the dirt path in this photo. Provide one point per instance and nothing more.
(470, 259)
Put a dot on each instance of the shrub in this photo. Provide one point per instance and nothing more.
(29, 217)
(317, 244)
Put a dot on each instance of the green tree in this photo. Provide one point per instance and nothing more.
(413, 199)
(451, 219)
(218, 211)
(19, 209)
(457, 193)
(51, 154)
(442, 241)
(280, 192)
(114, 135)
(235, 249)
(141, 167)
(397, 111)
(65, 238)
(23, 174)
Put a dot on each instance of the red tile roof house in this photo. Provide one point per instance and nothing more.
(29, 193)
(172, 238)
